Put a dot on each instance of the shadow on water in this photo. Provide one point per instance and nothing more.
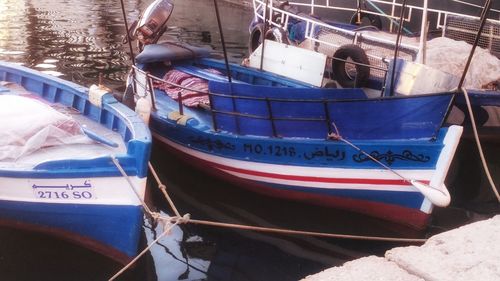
(84, 40)
(33, 256)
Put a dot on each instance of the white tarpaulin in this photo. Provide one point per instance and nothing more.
(28, 125)
(450, 56)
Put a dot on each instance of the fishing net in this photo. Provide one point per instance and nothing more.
(29, 125)
(450, 56)
(465, 29)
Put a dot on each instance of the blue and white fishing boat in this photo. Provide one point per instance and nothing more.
(61, 152)
(386, 157)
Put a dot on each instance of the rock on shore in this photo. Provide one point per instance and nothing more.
(471, 252)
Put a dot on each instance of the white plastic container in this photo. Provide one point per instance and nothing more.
(143, 109)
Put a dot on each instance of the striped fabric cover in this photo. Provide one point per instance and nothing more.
(198, 93)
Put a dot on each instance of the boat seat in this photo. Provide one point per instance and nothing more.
(201, 73)
(171, 51)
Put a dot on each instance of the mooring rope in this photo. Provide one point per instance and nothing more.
(308, 233)
(276, 230)
(479, 147)
(340, 138)
(171, 222)
(163, 189)
(132, 186)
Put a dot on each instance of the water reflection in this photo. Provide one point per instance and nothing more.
(84, 38)
(179, 255)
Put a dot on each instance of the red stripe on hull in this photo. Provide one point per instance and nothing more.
(71, 237)
(315, 179)
(392, 213)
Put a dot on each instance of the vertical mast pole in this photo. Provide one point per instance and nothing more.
(222, 41)
(263, 35)
(423, 32)
(129, 40)
(396, 50)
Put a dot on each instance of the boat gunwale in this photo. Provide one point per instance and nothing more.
(112, 114)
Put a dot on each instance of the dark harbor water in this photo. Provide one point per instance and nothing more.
(78, 40)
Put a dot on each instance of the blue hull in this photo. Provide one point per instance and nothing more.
(113, 231)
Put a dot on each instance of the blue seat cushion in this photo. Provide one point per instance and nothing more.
(170, 51)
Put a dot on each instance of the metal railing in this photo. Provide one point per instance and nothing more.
(329, 37)
(392, 5)
(146, 89)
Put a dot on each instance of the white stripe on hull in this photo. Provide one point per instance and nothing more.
(87, 191)
(320, 172)
(323, 185)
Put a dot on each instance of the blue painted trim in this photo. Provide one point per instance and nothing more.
(314, 113)
(398, 154)
(245, 107)
(112, 115)
(480, 98)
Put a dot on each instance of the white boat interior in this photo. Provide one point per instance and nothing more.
(91, 140)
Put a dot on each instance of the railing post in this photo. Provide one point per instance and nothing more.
(214, 120)
(263, 36)
(236, 118)
(179, 100)
(151, 91)
(271, 117)
(134, 81)
(327, 117)
(393, 10)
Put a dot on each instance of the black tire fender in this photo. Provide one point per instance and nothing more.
(277, 34)
(374, 20)
(356, 54)
(255, 37)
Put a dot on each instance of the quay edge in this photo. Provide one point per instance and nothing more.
(470, 252)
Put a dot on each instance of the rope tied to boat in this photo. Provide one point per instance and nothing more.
(435, 195)
(163, 189)
(132, 186)
(187, 219)
(171, 221)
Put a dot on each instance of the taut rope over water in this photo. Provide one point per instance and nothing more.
(484, 17)
(478, 143)
(171, 222)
